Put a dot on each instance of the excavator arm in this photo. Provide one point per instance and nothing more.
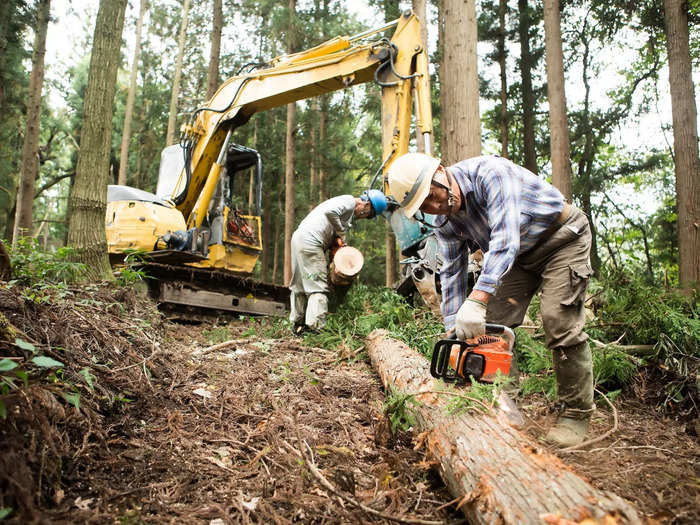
(398, 65)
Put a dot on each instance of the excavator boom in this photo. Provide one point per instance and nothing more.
(193, 220)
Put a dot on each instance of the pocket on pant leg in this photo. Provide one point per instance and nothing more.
(579, 275)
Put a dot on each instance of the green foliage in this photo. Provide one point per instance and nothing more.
(535, 360)
(17, 372)
(636, 312)
(612, 367)
(130, 273)
(480, 396)
(398, 408)
(368, 308)
(31, 265)
(217, 334)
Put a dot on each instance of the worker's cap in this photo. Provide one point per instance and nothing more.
(409, 180)
(377, 199)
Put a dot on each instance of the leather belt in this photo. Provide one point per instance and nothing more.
(558, 223)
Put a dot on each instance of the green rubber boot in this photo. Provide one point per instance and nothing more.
(567, 432)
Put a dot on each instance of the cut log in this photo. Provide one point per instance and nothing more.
(347, 263)
(499, 474)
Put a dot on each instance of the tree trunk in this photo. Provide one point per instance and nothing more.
(289, 162)
(251, 180)
(502, 9)
(391, 257)
(88, 197)
(215, 51)
(289, 191)
(30, 147)
(461, 126)
(276, 250)
(5, 266)
(314, 147)
(530, 155)
(170, 136)
(322, 172)
(685, 142)
(266, 240)
(126, 133)
(558, 125)
(498, 474)
(585, 165)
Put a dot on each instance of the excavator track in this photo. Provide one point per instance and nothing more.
(188, 288)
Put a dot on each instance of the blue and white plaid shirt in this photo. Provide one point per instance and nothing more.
(505, 210)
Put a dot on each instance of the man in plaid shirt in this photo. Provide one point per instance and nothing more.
(532, 240)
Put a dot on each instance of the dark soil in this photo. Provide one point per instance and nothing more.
(652, 460)
(173, 433)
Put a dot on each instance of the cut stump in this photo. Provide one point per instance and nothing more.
(499, 474)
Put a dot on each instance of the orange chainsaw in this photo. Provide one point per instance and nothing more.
(478, 358)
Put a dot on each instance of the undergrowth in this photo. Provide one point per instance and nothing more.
(365, 309)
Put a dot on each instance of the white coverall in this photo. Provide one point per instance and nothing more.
(310, 244)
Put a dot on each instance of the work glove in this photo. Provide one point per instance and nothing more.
(470, 320)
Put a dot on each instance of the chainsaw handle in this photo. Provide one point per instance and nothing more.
(507, 333)
(491, 328)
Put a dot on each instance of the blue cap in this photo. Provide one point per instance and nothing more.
(377, 199)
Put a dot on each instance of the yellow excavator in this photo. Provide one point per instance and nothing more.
(200, 248)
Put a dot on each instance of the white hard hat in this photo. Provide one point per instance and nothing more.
(409, 180)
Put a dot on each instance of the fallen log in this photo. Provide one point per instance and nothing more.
(499, 475)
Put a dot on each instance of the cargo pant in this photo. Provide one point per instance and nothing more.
(560, 267)
(309, 283)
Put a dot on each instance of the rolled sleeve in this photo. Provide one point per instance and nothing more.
(454, 274)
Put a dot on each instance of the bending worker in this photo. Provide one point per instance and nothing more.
(320, 230)
(532, 239)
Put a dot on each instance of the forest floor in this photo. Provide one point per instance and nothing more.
(170, 430)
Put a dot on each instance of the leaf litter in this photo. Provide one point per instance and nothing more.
(166, 433)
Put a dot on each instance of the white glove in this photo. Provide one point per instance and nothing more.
(470, 320)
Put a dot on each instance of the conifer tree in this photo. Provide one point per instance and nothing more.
(30, 164)
(88, 198)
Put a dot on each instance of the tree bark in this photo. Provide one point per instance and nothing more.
(498, 474)
(461, 125)
(30, 148)
(276, 250)
(314, 147)
(323, 194)
(289, 162)
(685, 142)
(585, 164)
(558, 125)
(502, 9)
(266, 240)
(5, 266)
(289, 191)
(215, 50)
(251, 179)
(391, 257)
(88, 196)
(170, 136)
(530, 155)
(126, 132)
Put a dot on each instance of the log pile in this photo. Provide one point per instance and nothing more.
(498, 474)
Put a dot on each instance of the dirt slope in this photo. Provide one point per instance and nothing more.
(170, 433)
